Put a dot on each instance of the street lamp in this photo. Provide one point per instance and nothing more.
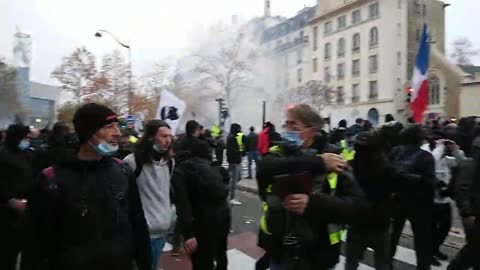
(98, 34)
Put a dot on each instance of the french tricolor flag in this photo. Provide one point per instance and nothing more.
(419, 98)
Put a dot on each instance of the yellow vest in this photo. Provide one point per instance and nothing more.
(239, 138)
(216, 131)
(335, 231)
(348, 154)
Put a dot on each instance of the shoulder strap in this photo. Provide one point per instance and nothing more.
(138, 166)
(49, 173)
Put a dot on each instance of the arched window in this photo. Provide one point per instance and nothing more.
(433, 90)
(328, 51)
(373, 37)
(341, 48)
(356, 42)
(373, 116)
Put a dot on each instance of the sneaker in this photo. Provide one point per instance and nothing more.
(167, 247)
(436, 262)
(235, 202)
(441, 256)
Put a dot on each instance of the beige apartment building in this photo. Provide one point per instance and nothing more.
(365, 51)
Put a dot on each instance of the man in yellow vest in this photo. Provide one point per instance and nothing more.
(308, 196)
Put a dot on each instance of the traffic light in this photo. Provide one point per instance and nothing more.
(410, 91)
(222, 111)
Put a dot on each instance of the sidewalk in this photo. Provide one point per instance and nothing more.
(455, 239)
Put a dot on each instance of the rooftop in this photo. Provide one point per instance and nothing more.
(44, 91)
(293, 24)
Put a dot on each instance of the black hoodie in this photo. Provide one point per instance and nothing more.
(87, 215)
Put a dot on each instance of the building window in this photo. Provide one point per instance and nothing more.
(373, 64)
(399, 29)
(400, 3)
(299, 56)
(399, 58)
(340, 95)
(341, 22)
(373, 37)
(356, 68)
(373, 90)
(315, 65)
(328, 27)
(433, 90)
(424, 10)
(328, 51)
(315, 38)
(373, 10)
(356, 16)
(418, 7)
(417, 34)
(341, 48)
(327, 74)
(356, 42)
(299, 75)
(286, 79)
(355, 93)
(302, 35)
(341, 71)
(286, 60)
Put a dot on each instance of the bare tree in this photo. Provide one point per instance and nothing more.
(9, 103)
(226, 69)
(112, 82)
(77, 73)
(313, 93)
(463, 50)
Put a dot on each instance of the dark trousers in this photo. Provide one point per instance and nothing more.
(263, 263)
(219, 154)
(11, 240)
(420, 216)
(377, 238)
(212, 241)
(442, 222)
(252, 157)
(469, 255)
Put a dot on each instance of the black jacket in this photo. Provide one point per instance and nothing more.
(87, 215)
(468, 190)
(421, 165)
(252, 142)
(200, 197)
(345, 207)
(234, 156)
(15, 183)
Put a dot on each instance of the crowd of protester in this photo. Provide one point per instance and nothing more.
(92, 195)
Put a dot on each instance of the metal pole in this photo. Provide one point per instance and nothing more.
(264, 109)
(130, 90)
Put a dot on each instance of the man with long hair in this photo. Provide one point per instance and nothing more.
(153, 164)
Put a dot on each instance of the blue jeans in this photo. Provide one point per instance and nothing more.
(252, 156)
(236, 175)
(277, 266)
(157, 243)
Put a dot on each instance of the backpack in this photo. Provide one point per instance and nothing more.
(209, 182)
(406, 163)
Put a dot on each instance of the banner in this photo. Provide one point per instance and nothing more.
(170, 109)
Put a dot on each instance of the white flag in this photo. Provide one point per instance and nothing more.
(170, 109)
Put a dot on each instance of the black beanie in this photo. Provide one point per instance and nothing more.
(90, 118)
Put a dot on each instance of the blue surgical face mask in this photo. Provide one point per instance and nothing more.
(24, 145)
(293, 138)
(105, 149)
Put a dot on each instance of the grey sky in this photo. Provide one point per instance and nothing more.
(157, 28)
